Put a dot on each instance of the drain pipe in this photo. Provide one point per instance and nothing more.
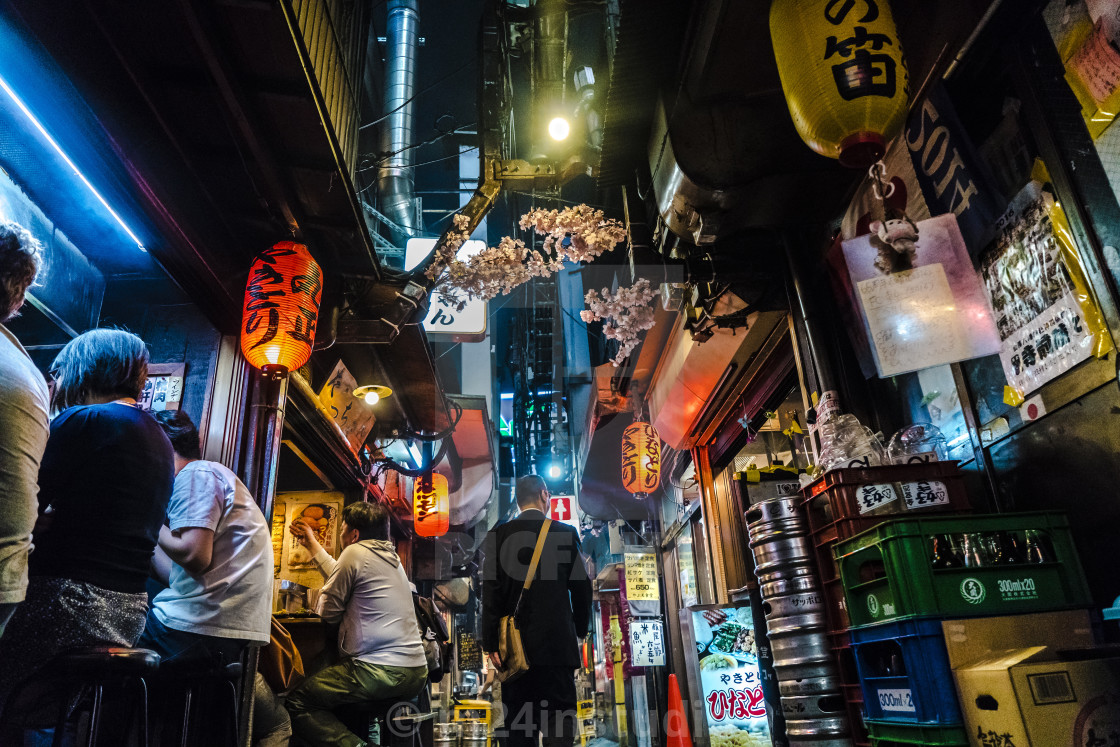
(395, 177)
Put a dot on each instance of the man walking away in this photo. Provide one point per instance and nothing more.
(554, 615)
(23, 420)
(379, 639)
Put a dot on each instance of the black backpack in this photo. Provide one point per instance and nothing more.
(433, 636)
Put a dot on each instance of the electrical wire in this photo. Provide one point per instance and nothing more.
(413, 97)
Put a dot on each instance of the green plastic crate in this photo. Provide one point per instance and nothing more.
(888, 575)
(889, 733)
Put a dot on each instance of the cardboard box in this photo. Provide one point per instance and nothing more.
(1040, 696)
(970, 639)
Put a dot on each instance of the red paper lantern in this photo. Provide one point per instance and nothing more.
(281, 308)
(430, 505)
(641, 459)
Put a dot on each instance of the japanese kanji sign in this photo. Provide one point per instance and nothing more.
(350, 414)
(647, 642)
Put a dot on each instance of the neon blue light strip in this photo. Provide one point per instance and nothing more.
(27, 112)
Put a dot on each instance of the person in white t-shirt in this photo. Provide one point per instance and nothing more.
(215, 554)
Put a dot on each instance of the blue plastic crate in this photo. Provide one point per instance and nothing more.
(904, 672)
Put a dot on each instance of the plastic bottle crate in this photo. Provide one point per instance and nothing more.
(845, 502)
(887, 572)
(835, 606)
(904, 672)
(891, 733)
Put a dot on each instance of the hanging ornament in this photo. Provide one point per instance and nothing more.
(843, 73)
(430, 505)
(281, 308)
(641, 459)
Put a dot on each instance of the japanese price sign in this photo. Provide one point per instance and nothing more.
(647, 642)
(641, 577)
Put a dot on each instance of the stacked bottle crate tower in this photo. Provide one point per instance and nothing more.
(808, 681)
(898, 551)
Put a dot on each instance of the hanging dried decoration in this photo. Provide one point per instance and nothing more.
(641, 459)
(843, 73)
(430, 505)
(281, 308)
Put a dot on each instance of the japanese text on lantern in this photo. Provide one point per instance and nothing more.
(860, 73)
(430, 506)
(281, 306)
(641, 458)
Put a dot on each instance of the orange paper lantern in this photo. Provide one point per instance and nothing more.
(641, 459)
(281, 308)
(843, 74)
(430, 505)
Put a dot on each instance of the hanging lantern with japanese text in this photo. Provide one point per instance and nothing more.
(281, 308)
(843, 73)
(430, 505)
(641, 459)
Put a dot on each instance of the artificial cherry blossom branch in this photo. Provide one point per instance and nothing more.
(625, 314)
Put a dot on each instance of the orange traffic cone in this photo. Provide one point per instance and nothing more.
(676, 723)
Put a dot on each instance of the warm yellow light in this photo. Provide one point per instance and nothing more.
(371, 394)
(559, 128)
(372, 398)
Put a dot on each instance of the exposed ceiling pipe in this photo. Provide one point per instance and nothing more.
(394, 176)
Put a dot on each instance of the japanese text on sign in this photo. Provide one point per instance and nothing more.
(924, 494)
(871, 497)
(641, 577)
(647, 643)
(736, 704)
(265, 283)
(353, 418)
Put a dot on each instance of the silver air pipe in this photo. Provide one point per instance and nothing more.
(394, 177)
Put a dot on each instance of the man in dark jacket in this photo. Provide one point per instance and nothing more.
(555, 614)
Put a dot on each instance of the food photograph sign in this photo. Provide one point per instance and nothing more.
(730, 681)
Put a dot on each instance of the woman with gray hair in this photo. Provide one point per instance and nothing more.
(104, 483)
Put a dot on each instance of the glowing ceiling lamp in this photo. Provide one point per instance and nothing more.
(558, 128)
(58, 149)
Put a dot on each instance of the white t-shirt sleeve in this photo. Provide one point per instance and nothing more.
(196, 500)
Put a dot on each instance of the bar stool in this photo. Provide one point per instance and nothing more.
(69, 673)
(191, 678)
(403, 719)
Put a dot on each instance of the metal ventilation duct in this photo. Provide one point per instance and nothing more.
(395, 177)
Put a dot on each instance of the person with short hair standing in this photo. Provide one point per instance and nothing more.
(104, 483)
(24, 421)
(555, 613)
(215, 554)
(367, 591)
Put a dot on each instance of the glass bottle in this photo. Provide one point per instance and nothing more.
(1008, 548)
(944, 555)
(972, 551)
(1038, 548)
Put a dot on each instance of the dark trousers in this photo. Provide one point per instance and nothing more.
(541, 701)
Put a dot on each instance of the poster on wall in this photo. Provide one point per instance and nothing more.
(1046, 318)
(320, 511)
(730, 683)
(923, 306)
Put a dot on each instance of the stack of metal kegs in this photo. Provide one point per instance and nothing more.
(808, 681)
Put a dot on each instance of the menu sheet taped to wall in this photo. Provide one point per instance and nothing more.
(641, 577)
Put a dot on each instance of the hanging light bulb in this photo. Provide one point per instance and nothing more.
(373, 393)
(558, 128)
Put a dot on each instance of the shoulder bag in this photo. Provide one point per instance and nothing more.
(510, 649)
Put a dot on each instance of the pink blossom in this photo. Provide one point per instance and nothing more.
(625, 314)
